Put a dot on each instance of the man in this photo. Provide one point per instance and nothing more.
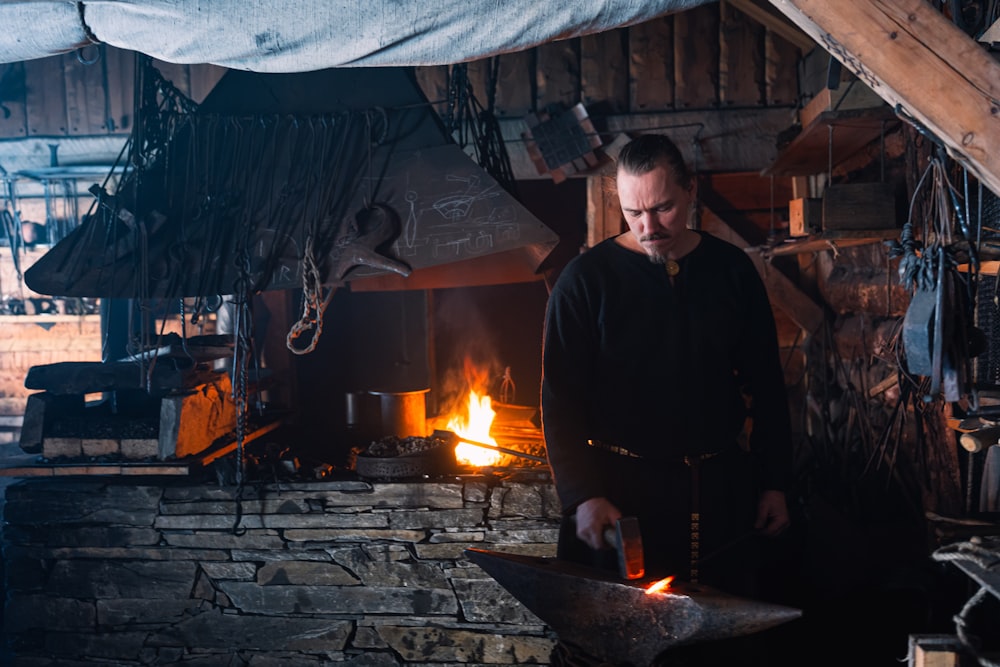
(659, 350)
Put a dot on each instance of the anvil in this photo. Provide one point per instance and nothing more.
(618, 621)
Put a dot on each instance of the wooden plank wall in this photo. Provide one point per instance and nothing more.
(710, 57)
(84, 93)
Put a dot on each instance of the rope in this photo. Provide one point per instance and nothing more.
(313, 304)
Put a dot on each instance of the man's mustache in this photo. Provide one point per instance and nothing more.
(654, 237)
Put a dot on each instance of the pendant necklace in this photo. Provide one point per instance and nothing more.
(673, 268)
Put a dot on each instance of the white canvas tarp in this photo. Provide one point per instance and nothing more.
(305, 35)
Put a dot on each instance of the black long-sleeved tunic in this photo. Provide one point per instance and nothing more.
(663, 370)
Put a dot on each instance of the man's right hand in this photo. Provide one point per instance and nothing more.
(592, 517)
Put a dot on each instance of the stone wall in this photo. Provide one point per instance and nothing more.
(154, 572)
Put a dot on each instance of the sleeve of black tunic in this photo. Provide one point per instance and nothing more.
(627, 360)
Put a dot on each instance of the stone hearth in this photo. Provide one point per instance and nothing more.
(168, 573)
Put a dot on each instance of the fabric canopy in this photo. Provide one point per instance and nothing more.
(306, 35)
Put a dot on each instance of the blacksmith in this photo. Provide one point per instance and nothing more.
(662, 393)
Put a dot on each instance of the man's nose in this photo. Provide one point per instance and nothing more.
(648, 221)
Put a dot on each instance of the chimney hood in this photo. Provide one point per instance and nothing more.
(342, 176)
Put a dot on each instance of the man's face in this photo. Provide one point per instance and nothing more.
(656, 210)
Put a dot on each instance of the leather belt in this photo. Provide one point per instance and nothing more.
(614, 449)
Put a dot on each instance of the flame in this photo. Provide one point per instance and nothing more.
(477, 428)
(658, 586)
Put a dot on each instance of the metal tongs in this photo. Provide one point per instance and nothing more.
(451, 439)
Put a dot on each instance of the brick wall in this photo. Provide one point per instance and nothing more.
(27, 341)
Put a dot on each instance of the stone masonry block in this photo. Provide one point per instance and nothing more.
(56, 447)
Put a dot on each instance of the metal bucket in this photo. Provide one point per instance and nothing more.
(403, 413)
(361, 416)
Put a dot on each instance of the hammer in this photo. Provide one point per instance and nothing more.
(626, 539)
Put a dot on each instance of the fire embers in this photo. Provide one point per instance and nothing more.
(393, 457)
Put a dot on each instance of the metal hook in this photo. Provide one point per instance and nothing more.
(88, 61)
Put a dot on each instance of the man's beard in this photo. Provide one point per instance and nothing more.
(654, 256)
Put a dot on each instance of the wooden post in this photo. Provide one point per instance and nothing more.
(604, 215)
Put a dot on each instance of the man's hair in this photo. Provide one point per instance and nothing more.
(645, 152)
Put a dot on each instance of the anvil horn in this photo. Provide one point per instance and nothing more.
(617, 620)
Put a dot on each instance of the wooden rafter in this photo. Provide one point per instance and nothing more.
(776, 22)
(914, 57)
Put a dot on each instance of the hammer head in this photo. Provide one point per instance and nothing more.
(627, 541)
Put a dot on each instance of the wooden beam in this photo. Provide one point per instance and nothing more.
(775, 21)
(604, 214)
(911, 55)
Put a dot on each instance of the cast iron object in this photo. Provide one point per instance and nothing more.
(618, 621)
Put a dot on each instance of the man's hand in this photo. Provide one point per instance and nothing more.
(592, 516)
(772, 514)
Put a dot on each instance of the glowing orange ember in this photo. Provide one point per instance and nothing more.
(658, 586)
(475, 427)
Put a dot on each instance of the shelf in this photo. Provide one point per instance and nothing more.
(853, 129)
(833, 240)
